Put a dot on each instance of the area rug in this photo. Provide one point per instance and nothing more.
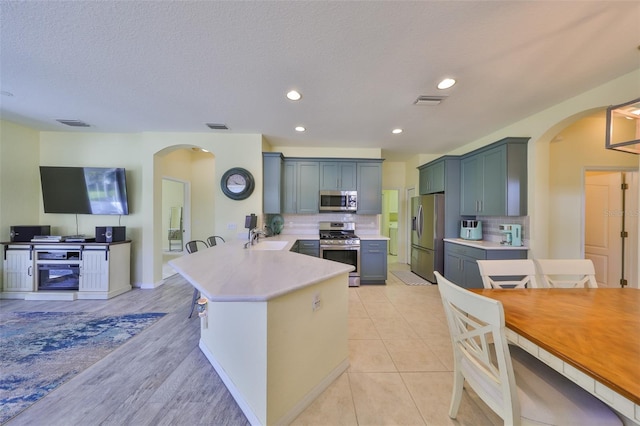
(409, 278)
(39, 351)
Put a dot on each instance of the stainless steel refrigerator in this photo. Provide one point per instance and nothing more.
(427, 232)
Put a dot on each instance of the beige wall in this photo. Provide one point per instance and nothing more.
(19, 185)
(576, 148)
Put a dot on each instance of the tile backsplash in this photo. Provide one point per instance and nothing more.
(491, 230)
(308, 224)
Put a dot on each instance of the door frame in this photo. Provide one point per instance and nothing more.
(635, 239)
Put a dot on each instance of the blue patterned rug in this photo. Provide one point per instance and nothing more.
(39, 351)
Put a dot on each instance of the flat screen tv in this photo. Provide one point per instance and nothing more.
(84, 190)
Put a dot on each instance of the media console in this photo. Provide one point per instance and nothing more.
(65, 270)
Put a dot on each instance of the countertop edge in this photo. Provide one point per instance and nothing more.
(484, 245)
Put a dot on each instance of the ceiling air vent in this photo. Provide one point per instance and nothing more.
(74, 123)
(215, 126)
(429, 100)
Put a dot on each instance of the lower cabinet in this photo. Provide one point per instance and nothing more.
(103, 268)
(373, 261)
(309, 247)
(18, 272)
(461, 268)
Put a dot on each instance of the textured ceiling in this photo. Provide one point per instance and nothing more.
(172, 66)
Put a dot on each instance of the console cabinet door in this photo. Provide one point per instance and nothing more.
(95, 271)
(18, 271)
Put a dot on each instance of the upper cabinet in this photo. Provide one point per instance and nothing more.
(272, 172)
(338, 175)
(493, 180)
(432, 177)
(369, 187)
(292, 185)
(443, 175)
(301, 186)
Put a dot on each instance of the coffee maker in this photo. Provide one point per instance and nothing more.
(511, 235)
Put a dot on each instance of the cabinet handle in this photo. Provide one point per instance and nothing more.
(30, 271)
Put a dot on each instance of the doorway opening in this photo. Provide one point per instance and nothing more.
(176, 222)
(389, 222)
(610, 232)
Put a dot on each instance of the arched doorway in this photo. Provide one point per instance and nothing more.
(190, 172)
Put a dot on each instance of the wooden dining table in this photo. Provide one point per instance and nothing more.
(590, 335)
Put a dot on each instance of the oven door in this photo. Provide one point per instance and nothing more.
(344, 254)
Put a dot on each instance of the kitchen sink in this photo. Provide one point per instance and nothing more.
(270, 245)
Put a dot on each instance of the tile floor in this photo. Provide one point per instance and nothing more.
(400, 363)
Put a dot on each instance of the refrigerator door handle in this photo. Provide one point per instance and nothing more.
(420, 223)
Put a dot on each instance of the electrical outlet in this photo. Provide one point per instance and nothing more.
(232, 226)
(316, 302)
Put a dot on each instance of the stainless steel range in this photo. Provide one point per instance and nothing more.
(339, 242)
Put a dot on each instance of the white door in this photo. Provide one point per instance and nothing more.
(604, 224)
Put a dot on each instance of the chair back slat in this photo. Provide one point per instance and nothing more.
(193, 245)
(512, 273)
(567, 273)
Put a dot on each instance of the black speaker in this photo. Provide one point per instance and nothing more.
(24, 233)
(110, 234)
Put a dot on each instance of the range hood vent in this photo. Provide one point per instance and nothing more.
(429, 100)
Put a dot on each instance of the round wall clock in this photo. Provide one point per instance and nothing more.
(237, 183)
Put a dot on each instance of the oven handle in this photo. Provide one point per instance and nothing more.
(336, 247)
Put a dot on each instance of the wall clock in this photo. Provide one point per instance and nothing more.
(237, 183)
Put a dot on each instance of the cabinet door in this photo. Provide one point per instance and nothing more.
(369, 188)
(308, 187)
(289, 188)
(18, 270)
(95, 271)
(432, 178)
(471, 273)
(453, 268)
(373, 262)
(470, 185)
(494, 186)
(272, 183)
(338, 175)
(309, 247)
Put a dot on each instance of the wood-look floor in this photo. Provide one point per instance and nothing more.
(159, 377)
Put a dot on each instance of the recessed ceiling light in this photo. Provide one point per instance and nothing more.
(294, 95)
(446, 83)
(396, 131)
(300, 129)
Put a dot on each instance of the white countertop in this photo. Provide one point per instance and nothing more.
(230, 273)
(485, 245)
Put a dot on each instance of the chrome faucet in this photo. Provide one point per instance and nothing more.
(254, 237)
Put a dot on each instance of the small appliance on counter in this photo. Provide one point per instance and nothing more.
(471, 229)
(511, 235)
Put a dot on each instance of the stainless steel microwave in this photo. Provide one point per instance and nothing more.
(338, 201)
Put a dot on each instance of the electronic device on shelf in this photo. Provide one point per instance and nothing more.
(46, 239)
(24, 233)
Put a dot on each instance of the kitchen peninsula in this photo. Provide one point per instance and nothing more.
(275, 328)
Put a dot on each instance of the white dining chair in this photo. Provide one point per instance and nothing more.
(512, 273)
(516, 386)
(567, 273)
